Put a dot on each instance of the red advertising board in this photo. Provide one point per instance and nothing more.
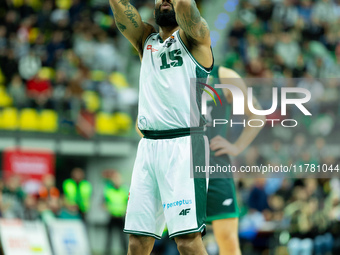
(30, 164)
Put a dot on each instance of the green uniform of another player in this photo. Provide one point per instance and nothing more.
(221, 202)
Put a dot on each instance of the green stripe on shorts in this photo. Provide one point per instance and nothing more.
(200, 182)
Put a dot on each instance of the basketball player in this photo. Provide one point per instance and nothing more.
(222, 209)
(161, 188)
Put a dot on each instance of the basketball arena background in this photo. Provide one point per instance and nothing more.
(68, 105)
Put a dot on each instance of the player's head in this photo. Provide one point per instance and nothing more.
(165, 13)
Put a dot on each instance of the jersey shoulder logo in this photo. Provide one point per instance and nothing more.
(184, 212)
(170, 41)
(150, 48)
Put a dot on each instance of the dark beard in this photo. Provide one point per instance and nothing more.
(165, 18)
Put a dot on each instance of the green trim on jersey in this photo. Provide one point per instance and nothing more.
(160, 38)
(214, 72)
(207, 70)
(218, 112)
(141, 233)
(202, 78)
(190, 231)
(147, 38)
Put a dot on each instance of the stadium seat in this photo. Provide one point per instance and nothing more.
(98, 75)
(123, 121)
(5, 99)
(48, 121)
(119, 80)
(46, 73)
(35, 4)
(92, 101)
(17, 3)
(29, 120)
(9, 119)
(105, 124)
(33, 34)
(64, 4)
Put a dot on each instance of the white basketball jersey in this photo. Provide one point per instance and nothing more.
(167, 93)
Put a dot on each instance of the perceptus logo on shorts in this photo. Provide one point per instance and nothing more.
(177, 203)
(300, 97)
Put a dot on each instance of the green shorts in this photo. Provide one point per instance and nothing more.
(221, 199)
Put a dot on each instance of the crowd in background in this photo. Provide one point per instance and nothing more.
(48, 203)
(71, 202)
(62, 55)
(269, 39)
(308, 209)
(285, 38)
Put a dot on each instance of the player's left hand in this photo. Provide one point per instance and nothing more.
(222, 146)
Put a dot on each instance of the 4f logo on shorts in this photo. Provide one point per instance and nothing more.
(184, 212)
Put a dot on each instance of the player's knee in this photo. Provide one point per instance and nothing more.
(187, 242)
(228, 241)
(137, 244)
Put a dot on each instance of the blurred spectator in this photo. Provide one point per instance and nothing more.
(43, 19)
(69, 211)
(76, 9)
(8, 64)
(25, 9)
(264, 10)
(255, 68)
(68, 63)
(3, 39)
(106, 57)
(12, 198)
(116, 197)
(287, 44)
(61, 94)
(48, 190)
(300, 67)
(109, 96)
(75, 92)
(77, 192)
(39, 92)
(11, 22)
(45, 212)
(29, 66)
(30, 211)
(277, 155)
(305, 10)
(258, 198)
(55, 48)
(17, 91)
(316, 89)
(84, 47)
(323, 11)
(286, 14)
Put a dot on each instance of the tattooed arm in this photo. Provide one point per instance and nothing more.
(194, 30)
(130, 23)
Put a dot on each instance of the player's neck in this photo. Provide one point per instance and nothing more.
(166, 32)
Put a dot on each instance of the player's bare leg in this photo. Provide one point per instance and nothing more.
(226, 234)
(140, 245)
(190, 244)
